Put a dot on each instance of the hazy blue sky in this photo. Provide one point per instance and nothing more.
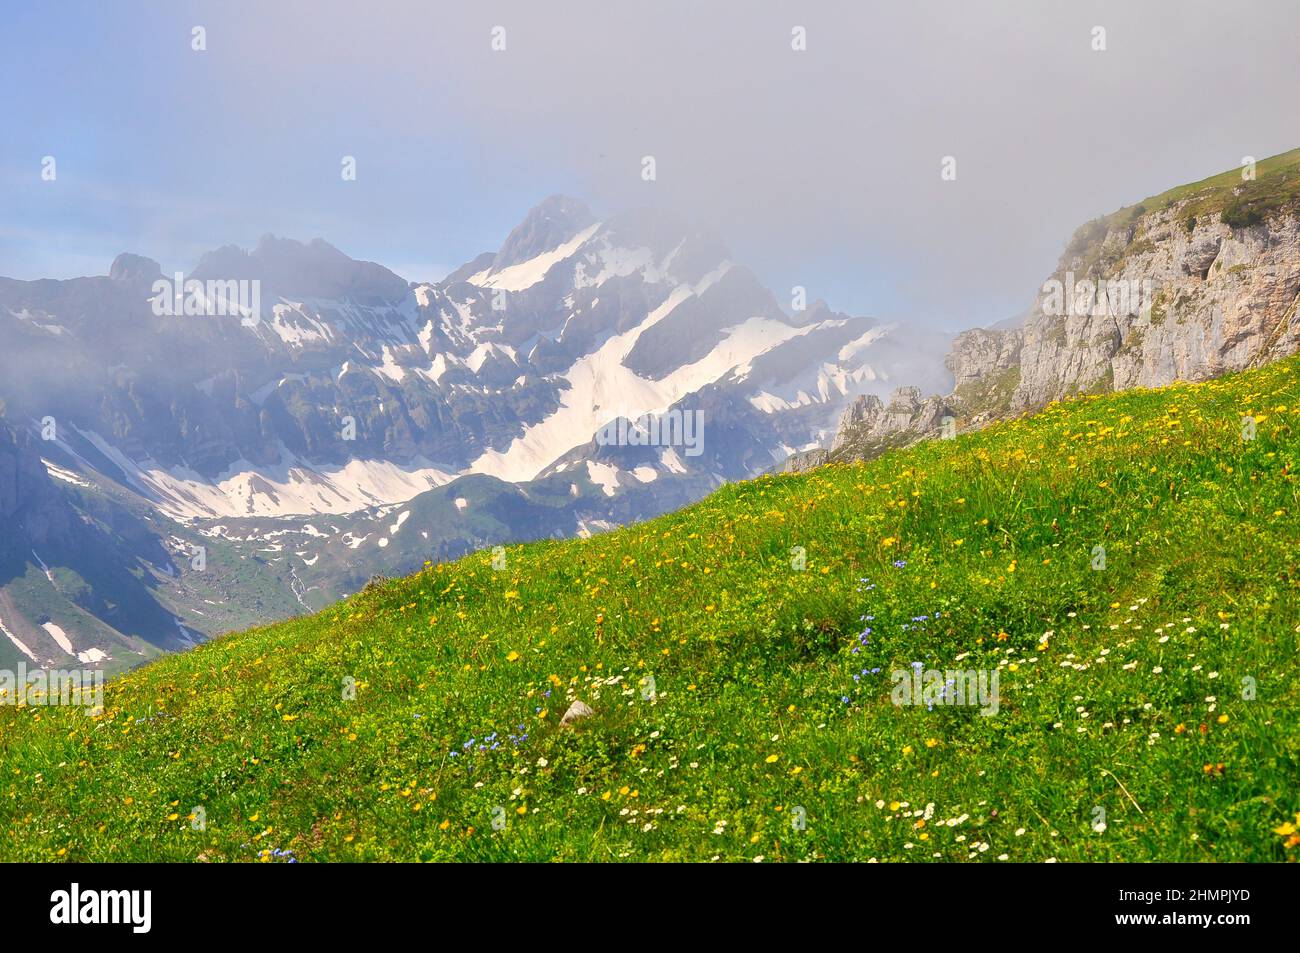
(819, 168)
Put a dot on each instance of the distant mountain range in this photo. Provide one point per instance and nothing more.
(225, 462)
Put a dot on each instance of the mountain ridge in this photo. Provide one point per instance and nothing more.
(295, 442)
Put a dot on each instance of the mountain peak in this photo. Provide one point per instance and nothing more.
(552, 223)
(314, 269)
(128, 267)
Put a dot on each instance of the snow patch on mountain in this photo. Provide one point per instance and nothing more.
(671, 461)
(59, 636)
(292, 488)
(604, 476)
(601, 388)
(18, 643)
(67, 476)
(524, 275)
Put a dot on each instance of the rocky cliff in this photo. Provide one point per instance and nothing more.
(1197, 282)
(869, 426)
(1184, 291)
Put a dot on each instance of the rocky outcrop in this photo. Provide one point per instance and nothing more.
(869, 426)
(1189, 298)
(979, 355)
(868, 418)
(577, 711)
(1203, 282)
(805, 460)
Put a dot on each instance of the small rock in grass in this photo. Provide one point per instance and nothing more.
(577, 710)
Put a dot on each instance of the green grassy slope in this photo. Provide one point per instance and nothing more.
(1216, 192)
(766, 731)
(1275, 190)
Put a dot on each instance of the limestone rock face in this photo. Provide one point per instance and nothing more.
(863, 412)
(869, 417)
(869, 426)
(979, 354)
(1181, 304)
(1141, 298)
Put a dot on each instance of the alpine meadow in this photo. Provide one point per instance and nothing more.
(622, 451)
(740, 695)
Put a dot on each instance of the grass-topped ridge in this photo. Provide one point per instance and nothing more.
(737, 656)
(1239, 203)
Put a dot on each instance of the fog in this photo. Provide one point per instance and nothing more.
(819, 166)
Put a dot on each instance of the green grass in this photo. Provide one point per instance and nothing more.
(1275, 190)
(1212, 194)
(1121, 689)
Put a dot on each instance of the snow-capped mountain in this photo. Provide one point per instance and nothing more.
(357, 388)
(341, 390)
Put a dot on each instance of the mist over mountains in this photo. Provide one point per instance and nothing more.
(361, 423)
